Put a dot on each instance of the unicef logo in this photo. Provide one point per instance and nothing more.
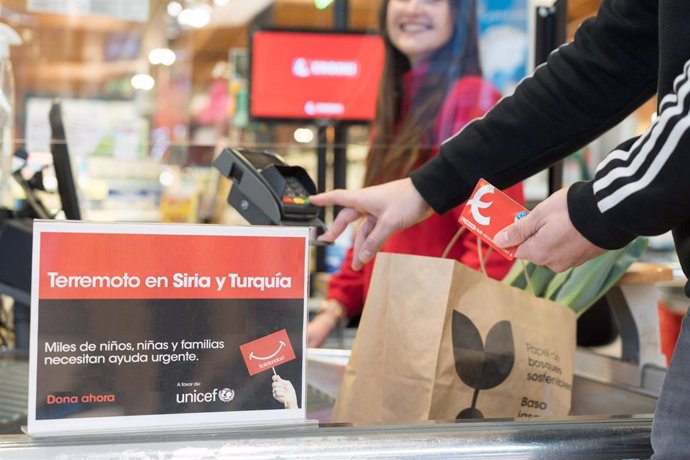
(226, 394)
(520, 215)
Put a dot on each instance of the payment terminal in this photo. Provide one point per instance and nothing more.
(266, 190)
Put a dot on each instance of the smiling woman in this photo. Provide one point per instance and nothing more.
(432, 86)
(419, 27)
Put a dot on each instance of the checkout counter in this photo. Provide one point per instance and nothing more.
(608, 384)
(600, 437)
(591, 439)
(605, 387)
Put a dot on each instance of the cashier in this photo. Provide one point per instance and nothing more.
(432, 86)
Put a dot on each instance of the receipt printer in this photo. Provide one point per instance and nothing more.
(266, 190)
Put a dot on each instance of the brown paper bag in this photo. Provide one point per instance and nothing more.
(440, 341)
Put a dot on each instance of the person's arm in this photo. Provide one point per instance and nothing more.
(471, 98)
(639, 189)
(344, 299)
(586, 88)
(330, 316)
(347, 287)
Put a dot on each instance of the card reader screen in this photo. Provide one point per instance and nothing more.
(261, 160)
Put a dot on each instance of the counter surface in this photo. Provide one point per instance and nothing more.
(595, 437)
(604, 438)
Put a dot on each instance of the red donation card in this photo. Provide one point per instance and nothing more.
(489, 211)
(267, 352)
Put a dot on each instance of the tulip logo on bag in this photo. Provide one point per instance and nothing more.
(489, 211)
(481, 366)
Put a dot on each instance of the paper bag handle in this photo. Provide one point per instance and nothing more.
(482, 264)
(453, 240)
(480, 254)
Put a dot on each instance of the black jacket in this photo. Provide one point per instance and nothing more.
(631, 50)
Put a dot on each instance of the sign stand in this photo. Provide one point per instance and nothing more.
(158, 328)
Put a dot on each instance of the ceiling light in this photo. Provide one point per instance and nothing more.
(174, 8)
(197, 16)
(166, 178)
(303, 135)
(322, 4)
(164, 56)
(143, 81)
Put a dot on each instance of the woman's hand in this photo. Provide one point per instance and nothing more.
(319, 329)
(331, 315)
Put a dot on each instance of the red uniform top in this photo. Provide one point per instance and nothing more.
(470, 98)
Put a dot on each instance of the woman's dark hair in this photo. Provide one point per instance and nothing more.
(399, 145)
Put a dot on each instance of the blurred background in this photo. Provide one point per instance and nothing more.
(151, 90)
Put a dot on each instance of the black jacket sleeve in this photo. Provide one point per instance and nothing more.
(585, 88)
(641, 188)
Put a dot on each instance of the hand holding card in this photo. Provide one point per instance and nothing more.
(488, 211)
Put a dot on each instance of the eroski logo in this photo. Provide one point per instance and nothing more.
(305, 68)
(300, 68)
(476, 204)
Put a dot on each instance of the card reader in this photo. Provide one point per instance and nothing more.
(266, 190)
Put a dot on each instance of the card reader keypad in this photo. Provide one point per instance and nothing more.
(294, 192)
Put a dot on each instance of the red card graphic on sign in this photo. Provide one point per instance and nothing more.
(267, 352)
(489, 211)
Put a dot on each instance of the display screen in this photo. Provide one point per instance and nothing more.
(298, 75)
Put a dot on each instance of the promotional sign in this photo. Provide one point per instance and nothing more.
(145, 326)
(489, 211)
(304, 75)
